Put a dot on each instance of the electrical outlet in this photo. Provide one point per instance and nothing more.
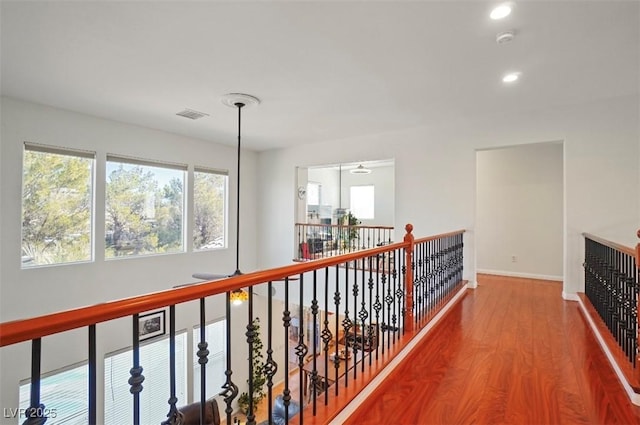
(514, 259)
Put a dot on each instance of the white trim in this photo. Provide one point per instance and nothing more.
(472, 284)
(519, 274)
(570, 296)
(633, 396)
(371, 386)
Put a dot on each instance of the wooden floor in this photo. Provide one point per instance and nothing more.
(511, 352)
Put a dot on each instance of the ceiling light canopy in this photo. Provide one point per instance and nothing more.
(511, 77)
(500, 12)
(360, 170)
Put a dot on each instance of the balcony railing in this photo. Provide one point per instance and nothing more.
(315, 241)
(612, 286)
(331, 325)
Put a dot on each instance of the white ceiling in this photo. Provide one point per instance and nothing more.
(323, 70)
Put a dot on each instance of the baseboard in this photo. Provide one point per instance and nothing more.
(633, 396)
(379, 379)
(519, 274)
(570, 296)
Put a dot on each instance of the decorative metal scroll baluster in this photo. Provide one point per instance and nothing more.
(270, 366)
(301, 349)
(369, 333)
(354, 345)
(36, 412)
(326, 334)
(347, 324)
(203, 359)
(314, 349)
(137, 378)
(251, 337)
(229, 389)
(336, 301)
(93, 379)
(418, 301)
(286, 322)
(377, 305)
(400, 298)
(388, 299)
(172, 416)
(433, 273)
(611, 284)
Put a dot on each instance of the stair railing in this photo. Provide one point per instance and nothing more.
(353, 313)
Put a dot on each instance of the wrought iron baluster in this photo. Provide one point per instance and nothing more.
(93, 378)
(346, 325)
(172, 416)
(251, 338)
(301, 349)
(203, 359)
(326, 335)
(370, 309)
(35, 413)
(229, 388)
(136, 379)
(336, 301)
(286, 323)
(314, 349)
(388, 299)
(377, 305)
(270, 366)
(355, 348)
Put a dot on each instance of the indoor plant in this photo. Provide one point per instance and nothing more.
(259, 373)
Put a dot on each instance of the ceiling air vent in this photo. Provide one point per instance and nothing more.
(191, 114)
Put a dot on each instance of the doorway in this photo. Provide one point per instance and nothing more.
(520, 211)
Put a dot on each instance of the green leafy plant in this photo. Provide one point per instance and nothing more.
(259, 373)
(351, 233)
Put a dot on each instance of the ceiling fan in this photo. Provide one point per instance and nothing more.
(239, 101)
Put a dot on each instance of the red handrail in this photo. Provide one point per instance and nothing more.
(37, 327)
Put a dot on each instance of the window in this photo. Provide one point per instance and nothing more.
(216, 337)
(63, 394)
(144, 208)
(57, 201)
(154, 359)
(363, 201)
(209, 209)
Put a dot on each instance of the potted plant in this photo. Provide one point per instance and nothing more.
(259, 374)
(351, 233)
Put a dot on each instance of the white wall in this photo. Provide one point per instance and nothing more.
(37, 291)
(435, 175)
(520, 210)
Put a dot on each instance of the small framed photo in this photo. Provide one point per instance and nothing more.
(151, 325)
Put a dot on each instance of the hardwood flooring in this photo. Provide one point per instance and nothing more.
(511, 352)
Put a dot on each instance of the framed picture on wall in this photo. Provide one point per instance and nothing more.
(151, 325)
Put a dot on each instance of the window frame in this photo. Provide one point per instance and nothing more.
(91, 183)
(141, 162)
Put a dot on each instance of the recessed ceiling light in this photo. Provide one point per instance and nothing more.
(511, 77)
(500, 12)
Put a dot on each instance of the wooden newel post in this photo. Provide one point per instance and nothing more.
(408, 287)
